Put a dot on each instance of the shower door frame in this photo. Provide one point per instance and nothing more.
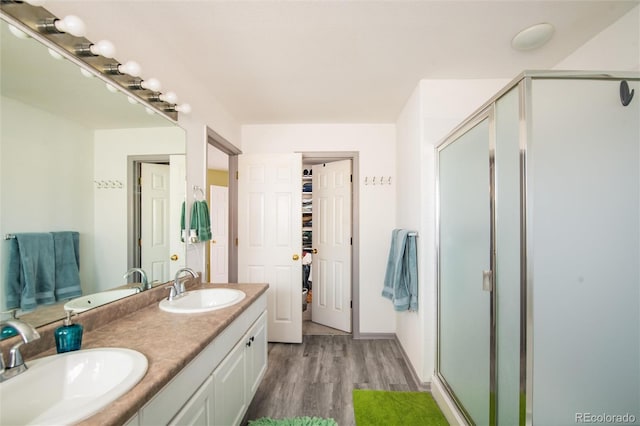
(487, 112)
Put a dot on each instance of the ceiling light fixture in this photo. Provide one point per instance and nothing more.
(533, 37)
(102, 48)
(31, 2)
(169, 97)
(152, 84)
(17, 32)
(184, 108)
(67, 38)
(130, 67)
(70, 24)
(55, 55)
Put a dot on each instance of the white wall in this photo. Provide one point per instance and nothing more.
(433, 110)
(197, 146)
(377, 151)
(45, 178)
(616, 48)
(410, 214)
(112, 147)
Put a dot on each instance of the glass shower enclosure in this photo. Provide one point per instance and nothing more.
(539, 253)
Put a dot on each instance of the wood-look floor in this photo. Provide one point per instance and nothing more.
(316, 377)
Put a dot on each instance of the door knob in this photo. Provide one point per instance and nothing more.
(213, 241)
(314, 251)
(296, 257)
(174, 257)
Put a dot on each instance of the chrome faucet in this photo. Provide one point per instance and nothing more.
(177, 289)
(16, 364)
(143, 277)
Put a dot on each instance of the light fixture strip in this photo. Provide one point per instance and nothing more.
(27, 18)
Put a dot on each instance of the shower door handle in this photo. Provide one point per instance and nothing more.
(487, 280)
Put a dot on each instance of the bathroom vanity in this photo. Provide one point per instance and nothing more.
(216, 387)
(203, 368)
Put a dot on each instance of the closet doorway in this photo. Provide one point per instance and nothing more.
(327, 199)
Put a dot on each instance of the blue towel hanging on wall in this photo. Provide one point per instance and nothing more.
(43, 268)
(401, 277)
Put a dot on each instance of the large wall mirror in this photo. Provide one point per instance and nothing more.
(77, 157)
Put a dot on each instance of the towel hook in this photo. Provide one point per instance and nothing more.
(198, 193)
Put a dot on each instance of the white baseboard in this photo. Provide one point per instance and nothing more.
(446, 404)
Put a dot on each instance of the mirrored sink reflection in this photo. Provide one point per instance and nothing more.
(205, 300)
(90, 301)
(66, 388)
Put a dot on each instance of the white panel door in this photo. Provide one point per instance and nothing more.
(219, 247)
(177, 188)
(332, 239)
(155, 224)
(270, 237)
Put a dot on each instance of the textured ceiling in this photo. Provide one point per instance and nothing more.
(329, 61)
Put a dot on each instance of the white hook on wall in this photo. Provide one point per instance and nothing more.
(377, 180)
(108, 184)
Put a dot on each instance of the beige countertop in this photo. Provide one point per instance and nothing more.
(169, 341)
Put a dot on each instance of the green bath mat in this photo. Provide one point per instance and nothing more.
(375, 408)
(295, 421)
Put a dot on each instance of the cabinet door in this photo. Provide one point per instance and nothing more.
(229, 381)
(199, 409)
(256, 355)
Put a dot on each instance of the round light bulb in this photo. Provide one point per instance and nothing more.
(152, 84)
(71, 24)
(18, 33)
(169, 97)
(55, 54)
(103, 48)
(130, 67)
(184, 108)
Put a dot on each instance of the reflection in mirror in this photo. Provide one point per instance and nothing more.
(70, 155)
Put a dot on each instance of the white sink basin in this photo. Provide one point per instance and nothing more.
(66, 388)
(89, 301)
(204, 300)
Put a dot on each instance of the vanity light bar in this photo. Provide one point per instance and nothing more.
(37, 22)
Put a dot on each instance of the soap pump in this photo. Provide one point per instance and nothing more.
(68, 336)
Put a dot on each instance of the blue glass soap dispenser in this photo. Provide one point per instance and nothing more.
(68, 336)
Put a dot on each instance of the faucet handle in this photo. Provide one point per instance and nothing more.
(172, 292)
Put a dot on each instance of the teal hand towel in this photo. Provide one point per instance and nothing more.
(401, 277)
(35, 277)
(200, 221)
(204, 221)
(14, 282)
(183, 228)
(67, 254)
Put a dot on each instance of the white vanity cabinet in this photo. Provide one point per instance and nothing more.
(256, 356)
(216, 387)
(198, 410)
(238, 376)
